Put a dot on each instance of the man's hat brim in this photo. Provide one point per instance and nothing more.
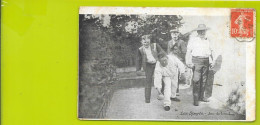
(201, 28)
(174, 32)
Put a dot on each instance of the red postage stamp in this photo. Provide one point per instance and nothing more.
(242, 23)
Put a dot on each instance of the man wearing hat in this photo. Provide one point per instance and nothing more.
(174, 45)
(181, 46)
(147, 57)
(178, 47)
(199, 57)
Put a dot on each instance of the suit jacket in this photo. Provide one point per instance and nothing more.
(182, 48)
(141, 59)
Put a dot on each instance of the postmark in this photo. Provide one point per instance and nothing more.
(242, 24)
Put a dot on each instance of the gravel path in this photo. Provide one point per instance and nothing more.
(128, 104)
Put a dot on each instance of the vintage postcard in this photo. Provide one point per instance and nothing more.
(167, 64)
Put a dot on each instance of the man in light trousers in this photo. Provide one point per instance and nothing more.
(166, 69)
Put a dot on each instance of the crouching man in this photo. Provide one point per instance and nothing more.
(166, 69)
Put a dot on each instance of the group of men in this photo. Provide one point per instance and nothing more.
(165, 69)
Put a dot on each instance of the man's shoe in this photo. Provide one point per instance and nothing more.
(167, 108)
(175, 99)
(195, 100)
(147, 101)
(196, 103)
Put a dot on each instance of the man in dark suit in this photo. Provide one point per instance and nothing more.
(147, 57)
(179, 43)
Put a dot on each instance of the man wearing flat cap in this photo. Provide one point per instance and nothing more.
(147, 57)
(199, 57)
(174, 45)
(178, 48)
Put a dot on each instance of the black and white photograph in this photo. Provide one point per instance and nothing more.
(166, 64)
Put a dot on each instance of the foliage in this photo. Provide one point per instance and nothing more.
(110, 41)
(96, 71)
(127, 29)
(236, 100)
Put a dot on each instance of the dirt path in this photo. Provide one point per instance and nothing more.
(129, 104)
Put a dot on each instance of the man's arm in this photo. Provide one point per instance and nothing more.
(183, 49)
(182, 46)
(169, 46)
(212, 55)
(188, 57)
(158, 77)
(138, 60)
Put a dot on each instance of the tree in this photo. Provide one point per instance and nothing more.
(128, 29)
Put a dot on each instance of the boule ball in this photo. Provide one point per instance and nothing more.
(160, 97)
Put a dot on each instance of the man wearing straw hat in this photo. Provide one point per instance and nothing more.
(147, 57)
(199, 57)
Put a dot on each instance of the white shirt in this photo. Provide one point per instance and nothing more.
(174, 66)
(199, 47)
(149, 55)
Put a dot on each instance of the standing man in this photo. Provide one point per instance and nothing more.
(147, 57)
(166, 70)
(178, 47)
(175, 49)
(181, 46)
(174, 44)
(199, 57)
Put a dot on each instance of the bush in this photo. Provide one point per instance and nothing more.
(236, 100)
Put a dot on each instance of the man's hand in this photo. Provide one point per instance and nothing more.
(152, 61)
(212, 65)
(159, 91)
(190, 65)
(139, 73)
(160, 95)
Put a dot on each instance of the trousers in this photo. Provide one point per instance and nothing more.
(149, 71)
(170, 88)
(200, 76)
(209, 85)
